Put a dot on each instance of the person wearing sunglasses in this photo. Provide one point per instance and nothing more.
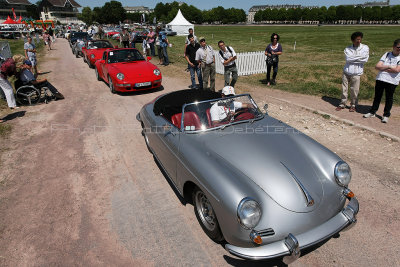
(387, 80)
(273, 50)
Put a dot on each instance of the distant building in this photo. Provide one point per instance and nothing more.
(381, 4)
(64, 11)
(138, 9)
(19, 6)
(253, 10)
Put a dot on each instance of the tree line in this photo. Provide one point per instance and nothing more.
(331, 14)
(113, 12)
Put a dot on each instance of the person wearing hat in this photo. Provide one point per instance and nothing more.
(27, 77)
(224, 111)
(206, 58)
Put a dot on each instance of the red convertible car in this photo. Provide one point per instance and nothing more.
(94, 49)
(126, 70)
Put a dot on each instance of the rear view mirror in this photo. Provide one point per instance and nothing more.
(148, 58)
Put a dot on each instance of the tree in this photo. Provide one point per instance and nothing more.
(32, 11)
(86, 15)
(386, 13)
(113, 12)
(358, 12)
(331, 14)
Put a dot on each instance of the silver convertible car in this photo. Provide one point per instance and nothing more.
(265, 188)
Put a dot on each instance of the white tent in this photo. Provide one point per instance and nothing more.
(180, 25)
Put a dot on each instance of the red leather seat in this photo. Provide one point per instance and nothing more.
(208, 113)
(190, 119)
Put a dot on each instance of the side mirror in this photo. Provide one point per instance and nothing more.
(102, 61)
(148, 58)
(266, 108)
(116, 46)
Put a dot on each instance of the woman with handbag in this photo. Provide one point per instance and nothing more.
(273, 50)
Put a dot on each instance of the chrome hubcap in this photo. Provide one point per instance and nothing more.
(205, 211)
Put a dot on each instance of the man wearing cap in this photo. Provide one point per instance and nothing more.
(223, 111)
(206, 58)
(27, 77)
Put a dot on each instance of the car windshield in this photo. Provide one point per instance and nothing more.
(79, 35)
(99, 44)
(213, 114)
(124, 55)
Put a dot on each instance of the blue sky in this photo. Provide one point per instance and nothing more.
(243, 4)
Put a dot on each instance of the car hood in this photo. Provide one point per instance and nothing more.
(135, 69)
(280, 163)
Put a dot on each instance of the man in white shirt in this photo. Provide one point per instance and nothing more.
(206, 58)
(356, 55)
(387, 80)
(223, 111)
(228, 56)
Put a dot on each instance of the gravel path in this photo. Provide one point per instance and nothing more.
(78, 186)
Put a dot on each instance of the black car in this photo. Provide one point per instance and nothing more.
(74, 36)
(9, 33)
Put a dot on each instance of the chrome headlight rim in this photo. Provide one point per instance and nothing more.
(92, 56)
(244, 203)
(120, 76)
(342, 173)
(157, 72)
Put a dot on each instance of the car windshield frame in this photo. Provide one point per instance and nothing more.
(113, 58)
(257, 115)
(92, 46)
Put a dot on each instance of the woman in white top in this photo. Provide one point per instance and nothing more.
(387, 80)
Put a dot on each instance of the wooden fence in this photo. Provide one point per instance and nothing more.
(247, 63)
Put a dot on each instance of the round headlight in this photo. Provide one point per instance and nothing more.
(120, 76)
(249, 213)
(92, 55)
(156, 72)
(342, 173)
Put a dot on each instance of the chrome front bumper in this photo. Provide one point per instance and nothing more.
(290, 247)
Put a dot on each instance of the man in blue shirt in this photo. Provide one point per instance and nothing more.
(27, 77)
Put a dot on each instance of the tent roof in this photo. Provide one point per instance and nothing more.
(179, 20)
(9, 21)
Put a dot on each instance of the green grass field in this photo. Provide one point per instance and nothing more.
(315, 67)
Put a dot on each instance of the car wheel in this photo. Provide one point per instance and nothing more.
(97, 74)
(84, 59)
(76, 53)
(205, 215)
(111, 85)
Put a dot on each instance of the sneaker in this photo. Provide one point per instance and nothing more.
(369, 115)
(385, 119)
(352, 109)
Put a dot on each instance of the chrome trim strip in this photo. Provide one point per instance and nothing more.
(309, 199)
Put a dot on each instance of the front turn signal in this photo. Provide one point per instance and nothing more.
(255, 237)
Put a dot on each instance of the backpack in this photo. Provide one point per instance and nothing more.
(222, 54)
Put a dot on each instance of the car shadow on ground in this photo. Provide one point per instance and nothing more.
(178, 195)
(363, 109)
(161, 88)
(14, 115)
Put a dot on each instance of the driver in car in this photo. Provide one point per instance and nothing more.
(224, 111)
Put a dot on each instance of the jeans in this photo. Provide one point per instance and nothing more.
(165, 53)
(227, 75)
(152, 51)
(196, 69)
(275, 70)
(389, 92)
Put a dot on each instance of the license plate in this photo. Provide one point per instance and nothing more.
(143, 84)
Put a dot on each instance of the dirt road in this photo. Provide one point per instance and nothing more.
(79, 187)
